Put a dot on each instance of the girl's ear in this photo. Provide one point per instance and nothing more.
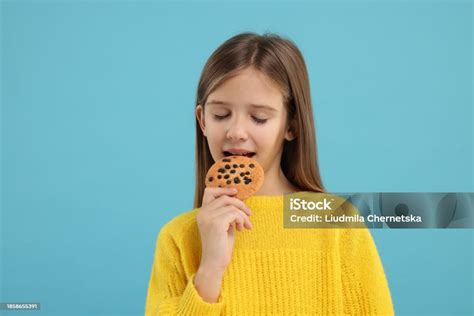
(289, 134)
(200, 118)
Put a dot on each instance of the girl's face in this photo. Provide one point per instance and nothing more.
(246, 115)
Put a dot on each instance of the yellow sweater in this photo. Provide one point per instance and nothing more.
(274, 271)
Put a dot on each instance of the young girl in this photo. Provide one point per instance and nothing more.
(232, 257)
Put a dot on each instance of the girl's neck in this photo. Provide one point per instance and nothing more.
(276, 184)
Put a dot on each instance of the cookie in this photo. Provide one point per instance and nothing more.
(240, 172)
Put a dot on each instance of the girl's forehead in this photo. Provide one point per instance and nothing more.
(248, 86)
(267, 107)
(251, 99)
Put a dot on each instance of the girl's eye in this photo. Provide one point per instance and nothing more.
(220, 117)
(258, 120)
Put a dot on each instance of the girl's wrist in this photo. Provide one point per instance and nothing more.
(208, 284)
(210, 272)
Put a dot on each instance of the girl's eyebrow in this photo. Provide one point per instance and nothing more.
(258, 106)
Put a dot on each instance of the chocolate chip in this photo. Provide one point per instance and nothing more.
(221, 170)
(220, 186)
(226, 176)
(232, 171)
(226, 160)
(227, 166)
(235, 165)
(241, 165)
(228, 182)
(247, 173)
(210, 179)
(219, 176)
(236, 180)
(242, 174)
(251, 165)
(247, 181)
(246, 178)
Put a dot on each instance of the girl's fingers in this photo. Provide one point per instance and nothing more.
(233, 214)
(228, 200)
(210, 194)
(218, 204)
(231, 218)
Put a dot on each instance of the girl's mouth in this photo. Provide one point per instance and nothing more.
(246, 154)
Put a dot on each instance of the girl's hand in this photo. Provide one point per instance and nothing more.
(219, 216)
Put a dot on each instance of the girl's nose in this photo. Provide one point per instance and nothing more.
(236, 131)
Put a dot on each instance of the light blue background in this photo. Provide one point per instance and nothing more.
(98, 135)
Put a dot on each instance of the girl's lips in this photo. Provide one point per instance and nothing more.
(239, 153)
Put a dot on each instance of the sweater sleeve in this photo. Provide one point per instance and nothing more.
(170, 291)
(364, 284)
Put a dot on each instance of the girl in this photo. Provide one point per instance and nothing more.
(232, 257)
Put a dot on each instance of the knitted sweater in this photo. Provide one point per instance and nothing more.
(274, 271)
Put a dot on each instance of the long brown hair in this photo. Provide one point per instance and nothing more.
(280, 60)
